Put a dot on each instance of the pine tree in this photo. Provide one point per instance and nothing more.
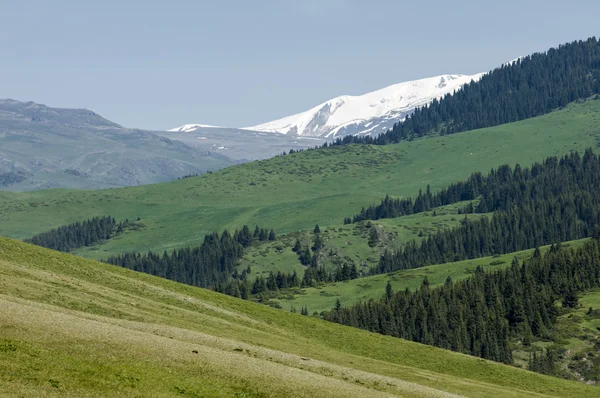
(389, 290)
(318, 243)
(297, 246)
(373, 237)
(305, 256)
(570, 300)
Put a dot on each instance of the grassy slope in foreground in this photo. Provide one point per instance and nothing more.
(73, 327)
(297, 191)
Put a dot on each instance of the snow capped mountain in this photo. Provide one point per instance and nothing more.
(371, 113)
(188, 128)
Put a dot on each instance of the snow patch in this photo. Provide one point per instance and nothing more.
(188, 128)
(328, 118)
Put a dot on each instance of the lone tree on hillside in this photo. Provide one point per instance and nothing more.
(373, 237)
(318, 243)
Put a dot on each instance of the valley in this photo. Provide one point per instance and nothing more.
(297, 191)
(438, 237)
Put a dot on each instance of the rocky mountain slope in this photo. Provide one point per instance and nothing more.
(43, 147)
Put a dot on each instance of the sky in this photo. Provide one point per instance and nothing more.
(160, 64)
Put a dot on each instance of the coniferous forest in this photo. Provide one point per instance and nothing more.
(79, 234)
(210, 265)
(485, 315)
(482, 314)
(413, 207)
(553, 201)
(500, 189)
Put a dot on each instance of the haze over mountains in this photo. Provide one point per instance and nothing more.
(44, 147)
(239, 145)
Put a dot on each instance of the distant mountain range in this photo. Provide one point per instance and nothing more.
(44, 147)
(370, 114)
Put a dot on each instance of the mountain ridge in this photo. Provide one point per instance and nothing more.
(371, 113)
(11, 109)
(45, 147)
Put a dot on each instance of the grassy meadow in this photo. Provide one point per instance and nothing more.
(72, 327)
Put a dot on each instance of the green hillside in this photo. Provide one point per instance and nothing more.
(323, 298)
(575, 340)
(73, 327)
(349, 244)
(297, 191)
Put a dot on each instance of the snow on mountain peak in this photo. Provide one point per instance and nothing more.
(370, 113)
(188, 128)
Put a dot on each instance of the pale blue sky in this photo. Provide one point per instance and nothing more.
(159, 64)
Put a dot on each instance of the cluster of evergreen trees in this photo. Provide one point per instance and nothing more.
(555, 201)
(572, 174)
(480, 315)
(529, 87)
(275, 282)
(79, 234)
(315, 272)
(544, 361)
(241, 286)
(392, 208)
(211, 265)
(262, 234)
(304, 252)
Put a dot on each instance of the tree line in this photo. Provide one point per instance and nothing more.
(570, 214)
(483, 313)
(210, 265)
(552, 201)
(78, 234)
(500, 189)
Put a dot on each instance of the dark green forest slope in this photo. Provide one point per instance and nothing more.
(530, 86)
